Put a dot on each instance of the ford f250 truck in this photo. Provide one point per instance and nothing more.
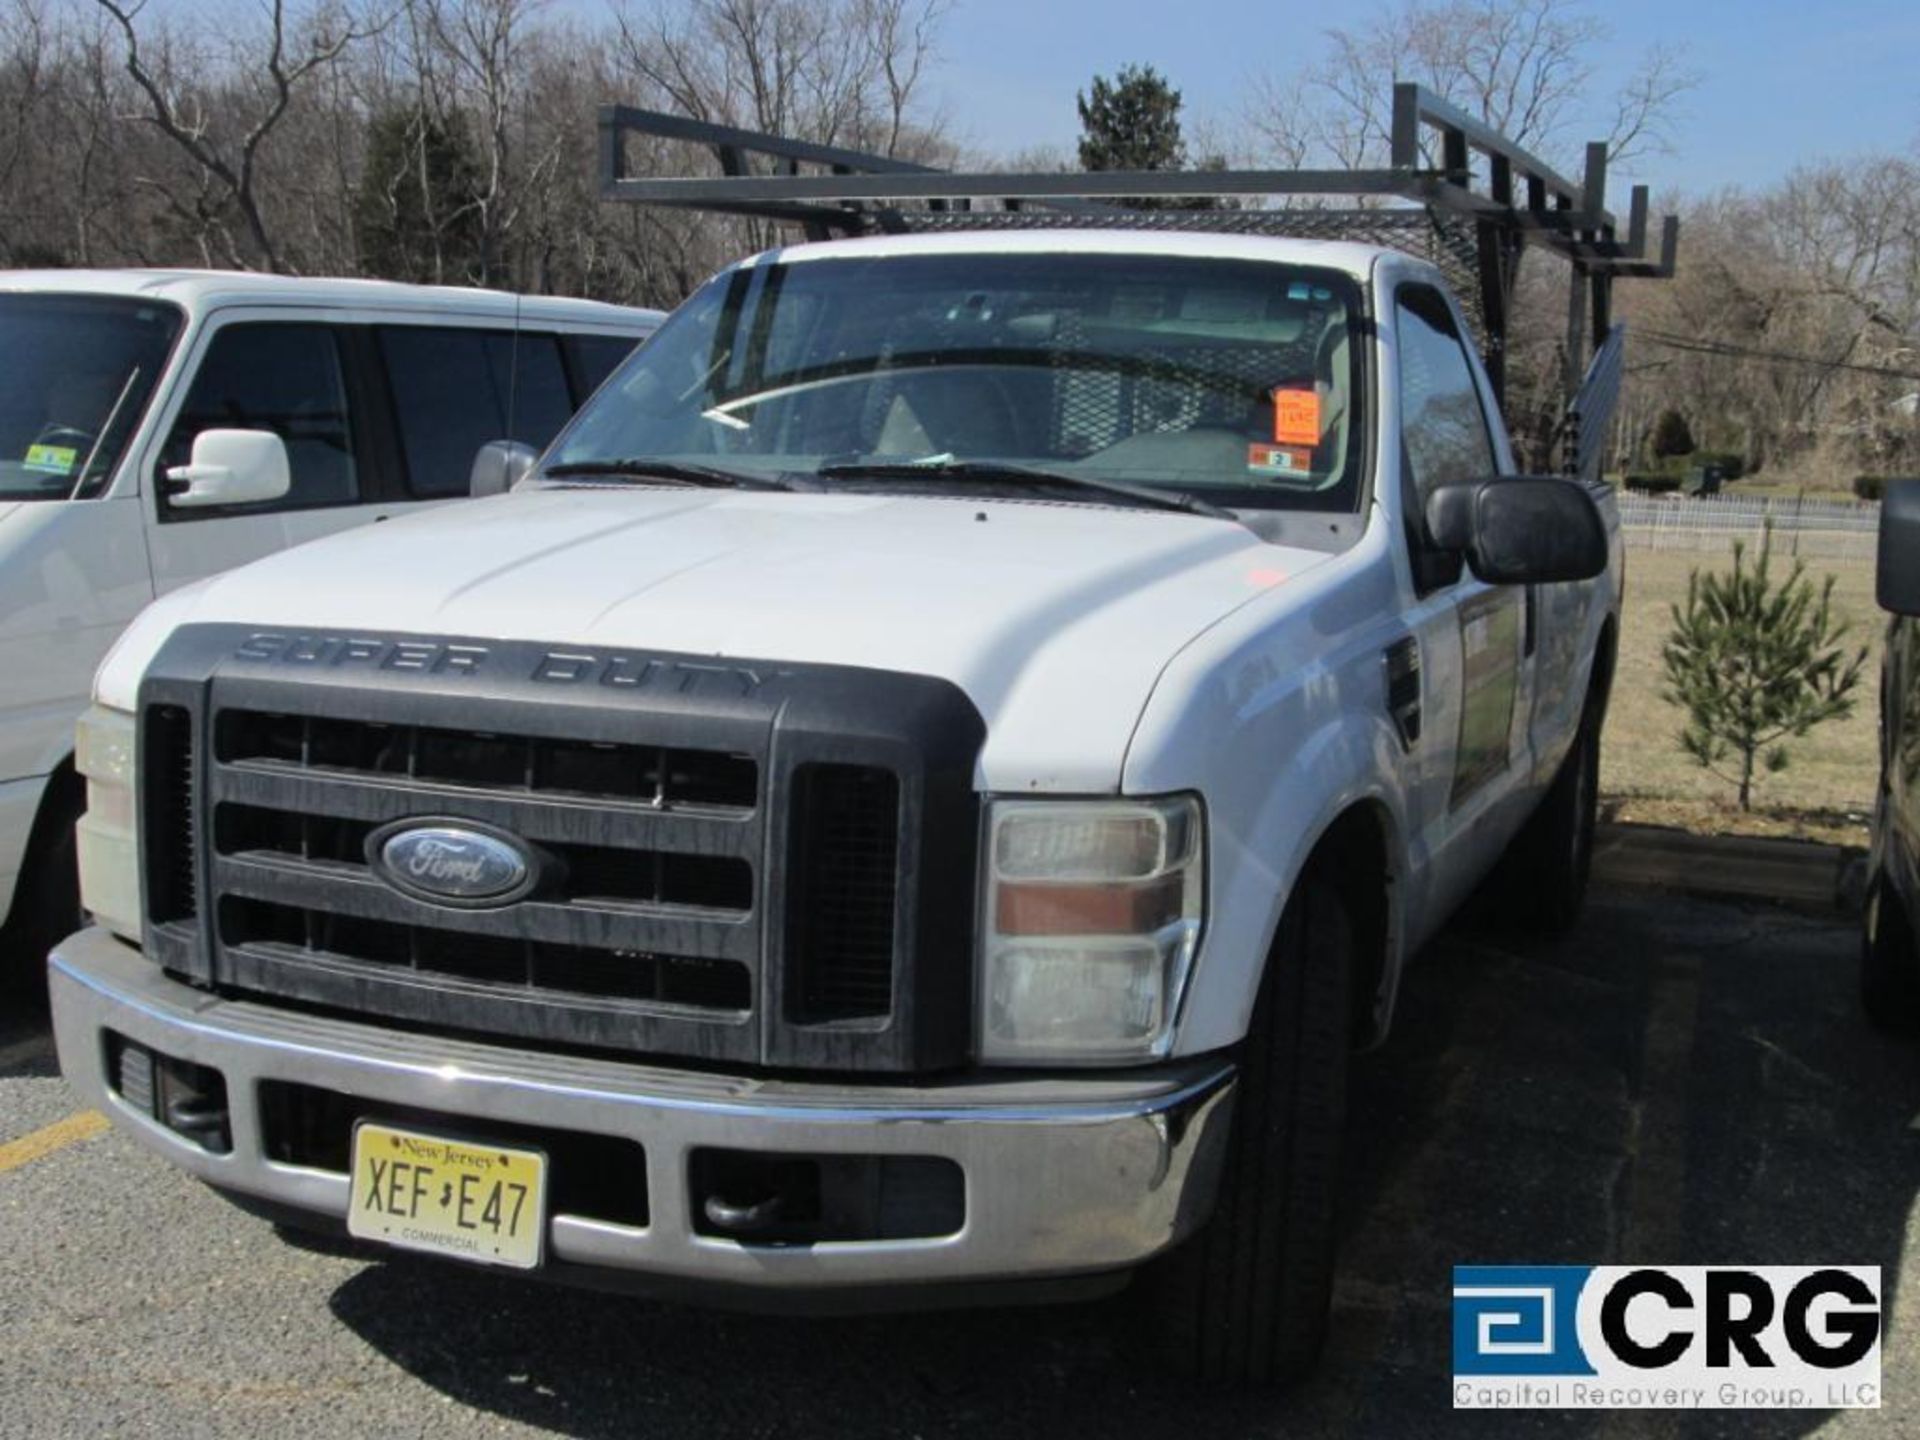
(914, 799)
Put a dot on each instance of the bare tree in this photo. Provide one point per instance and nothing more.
(1793, 332)
(1523, 66)
(227, 156)
(476, 46)
(844, 72)
(241, 136)
(23, 66)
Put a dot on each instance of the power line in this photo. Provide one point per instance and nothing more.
(1776, 357)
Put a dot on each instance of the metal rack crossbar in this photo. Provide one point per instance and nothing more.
(1466, 177)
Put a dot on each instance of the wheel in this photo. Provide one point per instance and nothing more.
(1542, 882)
(1245, 1300)
(46, 906)
(1889, 962)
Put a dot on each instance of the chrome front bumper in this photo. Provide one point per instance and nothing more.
(1063, 1177)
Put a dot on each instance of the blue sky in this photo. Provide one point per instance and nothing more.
(1781, 83)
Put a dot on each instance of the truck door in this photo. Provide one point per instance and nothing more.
(1474, 661)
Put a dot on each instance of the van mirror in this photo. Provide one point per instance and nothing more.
(499, 467)
(232, 467)
(1521, 529)
(1897, 578)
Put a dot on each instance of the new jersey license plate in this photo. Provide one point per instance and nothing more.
(450, 1197)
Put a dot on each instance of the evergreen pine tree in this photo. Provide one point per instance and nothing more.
(417, 211)
(1132, 122)
(1754, 663)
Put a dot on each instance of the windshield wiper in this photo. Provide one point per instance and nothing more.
(943, 468)
(674, 472)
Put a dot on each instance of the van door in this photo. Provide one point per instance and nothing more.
(289, 376)
(1474, 638)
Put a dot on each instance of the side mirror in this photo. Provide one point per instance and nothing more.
(499, 467)
(1522, 529)
(1897, 579)
(232, 467)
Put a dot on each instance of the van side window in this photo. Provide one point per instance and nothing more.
(283, 378)
(597, 356)
(1443, 430)
(456, 389)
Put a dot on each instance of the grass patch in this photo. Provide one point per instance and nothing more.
(1827, 791)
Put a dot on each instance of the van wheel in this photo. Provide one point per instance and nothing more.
(46, 906)
(1245, 1301)
(1889, 962)
(1542, 884)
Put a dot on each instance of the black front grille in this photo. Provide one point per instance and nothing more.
(485, 760)
(591, 874)
(641, 931)
(842, 907)
(730, 863)
(485, 959)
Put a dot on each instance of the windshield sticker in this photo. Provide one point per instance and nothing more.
(52, 459)
(1296, 416)
(1279, 460)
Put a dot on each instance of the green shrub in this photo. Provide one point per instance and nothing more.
(1732, 463)
(1653, 482)
(1870, 487)
(1756, 661)
(1671, 435)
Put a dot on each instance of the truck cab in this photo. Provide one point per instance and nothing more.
(121, 478)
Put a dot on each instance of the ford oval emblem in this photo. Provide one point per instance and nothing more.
(451, 863)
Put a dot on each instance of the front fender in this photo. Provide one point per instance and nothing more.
(1278, 717)
(1259, 849)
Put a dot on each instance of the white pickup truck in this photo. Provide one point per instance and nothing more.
(915, 798)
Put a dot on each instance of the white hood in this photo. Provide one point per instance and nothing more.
(1055, 619)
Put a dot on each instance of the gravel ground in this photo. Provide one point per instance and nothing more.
(1680, 1081)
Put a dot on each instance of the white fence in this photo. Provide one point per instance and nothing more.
(1813, 529)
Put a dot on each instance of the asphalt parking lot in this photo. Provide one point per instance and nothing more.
(1681, 1081)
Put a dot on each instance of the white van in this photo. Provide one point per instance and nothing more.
(161, 426)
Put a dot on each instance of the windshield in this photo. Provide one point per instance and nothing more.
(1231, 380)
(76, 375)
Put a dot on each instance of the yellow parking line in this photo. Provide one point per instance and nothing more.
(50, 1138)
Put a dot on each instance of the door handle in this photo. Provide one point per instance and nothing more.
(1402, 663)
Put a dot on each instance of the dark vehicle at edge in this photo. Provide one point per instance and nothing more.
(1889, 954)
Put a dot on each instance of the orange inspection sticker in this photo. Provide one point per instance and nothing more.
(1296, 415)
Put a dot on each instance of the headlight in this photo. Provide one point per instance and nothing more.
(1091, 914)
(108, 843)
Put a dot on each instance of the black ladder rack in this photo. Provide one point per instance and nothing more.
(1481, 216)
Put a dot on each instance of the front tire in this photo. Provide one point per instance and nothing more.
(1544, 876)
(46, 906)
(1245, 1301)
